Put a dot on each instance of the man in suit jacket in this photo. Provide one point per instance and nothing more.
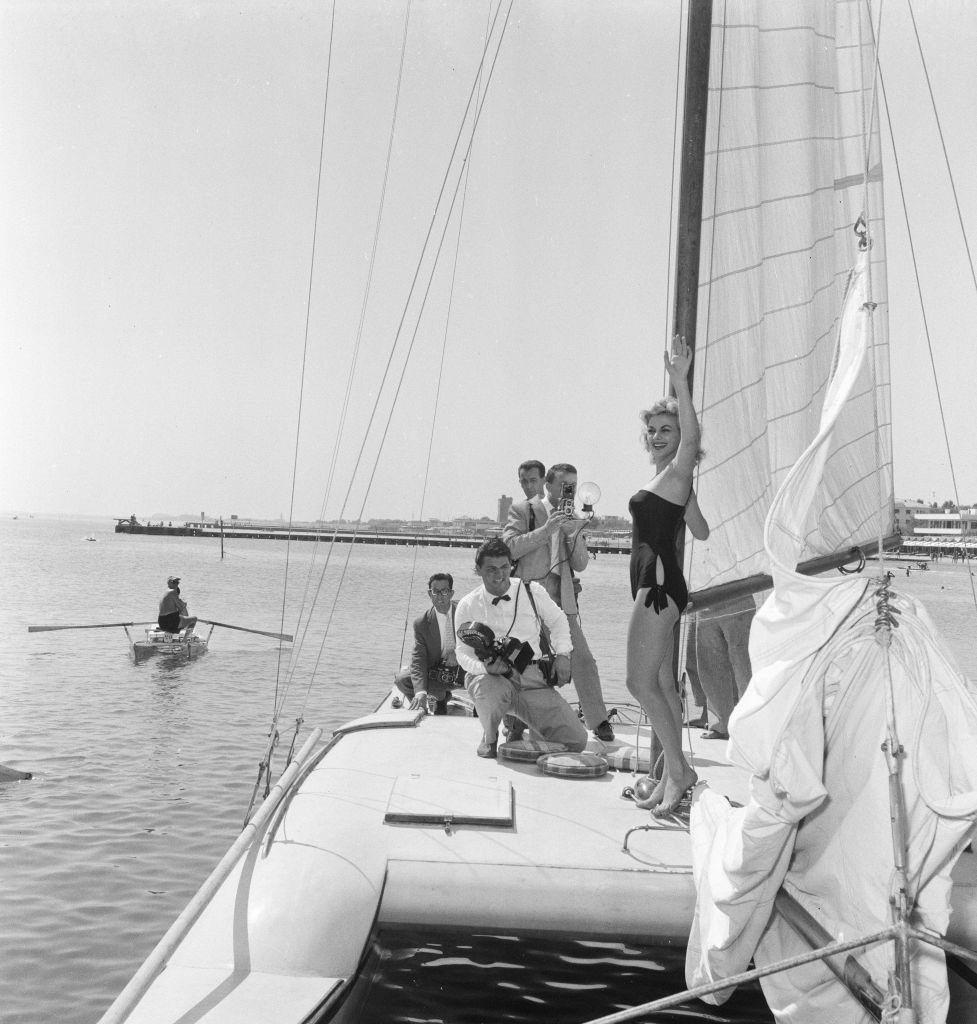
(434, 667)
(549, 547)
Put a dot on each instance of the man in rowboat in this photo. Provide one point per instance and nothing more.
(173, 614)
(516, 610)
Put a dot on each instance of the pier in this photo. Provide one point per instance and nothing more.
(607, 544)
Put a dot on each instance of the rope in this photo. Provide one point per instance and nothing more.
(444, 346)
(399, 330)
(925, 317)
(358, 338)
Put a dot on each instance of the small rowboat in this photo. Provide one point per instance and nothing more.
(185, 644)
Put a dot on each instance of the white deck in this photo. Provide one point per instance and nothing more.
(290, 925)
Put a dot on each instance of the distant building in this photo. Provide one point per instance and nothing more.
(505, 503)
(906, 515)
(944, 529)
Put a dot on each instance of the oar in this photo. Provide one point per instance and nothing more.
(94, 625)
(244, 629)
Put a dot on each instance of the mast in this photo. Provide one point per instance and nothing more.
(689, 233)
(691, 174)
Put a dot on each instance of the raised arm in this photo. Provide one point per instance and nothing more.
(677, 363)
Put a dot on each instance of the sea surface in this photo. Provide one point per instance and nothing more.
(142, 776)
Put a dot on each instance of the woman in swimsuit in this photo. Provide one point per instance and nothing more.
(659, 510)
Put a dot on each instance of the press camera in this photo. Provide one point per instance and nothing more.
(483, 641)
(565, 503)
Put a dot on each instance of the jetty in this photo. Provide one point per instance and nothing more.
(236, 529)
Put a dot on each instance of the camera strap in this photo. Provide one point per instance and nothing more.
(515, 612)
(544, 641)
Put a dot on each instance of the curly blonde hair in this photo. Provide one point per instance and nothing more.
(667, 406)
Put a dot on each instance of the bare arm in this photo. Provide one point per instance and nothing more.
(695, 520)
(677, 363)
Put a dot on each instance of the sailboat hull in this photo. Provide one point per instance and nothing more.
(398, 823)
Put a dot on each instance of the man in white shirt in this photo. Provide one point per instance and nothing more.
(433, 665)
(497, 688)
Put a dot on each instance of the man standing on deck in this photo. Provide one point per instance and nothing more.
(173, 613)
(549, 547)
(433, 665)
(515, 610)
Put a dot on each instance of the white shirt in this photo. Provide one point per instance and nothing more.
(447, 631)
(477, 607)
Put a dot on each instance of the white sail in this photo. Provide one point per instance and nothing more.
(787, 174)
(795, 337)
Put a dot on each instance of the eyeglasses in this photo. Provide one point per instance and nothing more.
(440, 593)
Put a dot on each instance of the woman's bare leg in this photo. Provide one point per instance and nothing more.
(651, 682)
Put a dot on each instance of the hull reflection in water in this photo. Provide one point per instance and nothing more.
(412, 976)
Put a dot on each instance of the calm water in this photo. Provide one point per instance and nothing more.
(142, 776)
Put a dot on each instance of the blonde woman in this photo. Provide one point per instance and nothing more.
(660, 510)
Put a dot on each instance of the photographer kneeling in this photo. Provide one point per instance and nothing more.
(512, 611)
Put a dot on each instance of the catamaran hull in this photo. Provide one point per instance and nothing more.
(397, 822)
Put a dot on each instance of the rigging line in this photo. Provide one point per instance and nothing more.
(956, 203)
(305, 342)
(358, 339)
(396, 339)
(403, 371)
(922, 310)
(875, 355)
(946, 157)
(444, 347)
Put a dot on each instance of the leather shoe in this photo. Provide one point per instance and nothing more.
(487, 749)
(604, 731)
(514, 728)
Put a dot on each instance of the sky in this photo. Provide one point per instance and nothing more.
(182, 291)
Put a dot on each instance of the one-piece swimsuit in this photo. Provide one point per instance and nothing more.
(654, 561)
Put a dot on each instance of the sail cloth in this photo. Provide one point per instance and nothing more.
(792, 345)
(790, 131)
(810, 730)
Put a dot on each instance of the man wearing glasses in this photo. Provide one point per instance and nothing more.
(434, 668)
(511, 609)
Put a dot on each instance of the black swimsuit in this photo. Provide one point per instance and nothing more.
(654, 561)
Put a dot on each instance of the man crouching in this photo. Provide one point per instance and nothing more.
(506, 606)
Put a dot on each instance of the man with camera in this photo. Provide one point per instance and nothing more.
(505, 674)
(547, 541)
(434, 666)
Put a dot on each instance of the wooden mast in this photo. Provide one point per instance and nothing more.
(689, 232)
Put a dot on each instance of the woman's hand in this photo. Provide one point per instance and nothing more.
(678, 360)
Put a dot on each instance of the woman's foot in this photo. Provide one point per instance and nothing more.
(674, 791)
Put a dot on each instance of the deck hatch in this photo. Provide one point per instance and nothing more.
(430, 800)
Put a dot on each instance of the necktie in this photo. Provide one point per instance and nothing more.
(449, 635)
(504, 597)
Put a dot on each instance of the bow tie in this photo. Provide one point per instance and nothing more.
(503, 597)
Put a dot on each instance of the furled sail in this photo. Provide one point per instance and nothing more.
(792, 160)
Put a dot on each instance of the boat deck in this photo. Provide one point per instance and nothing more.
(397, 822)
